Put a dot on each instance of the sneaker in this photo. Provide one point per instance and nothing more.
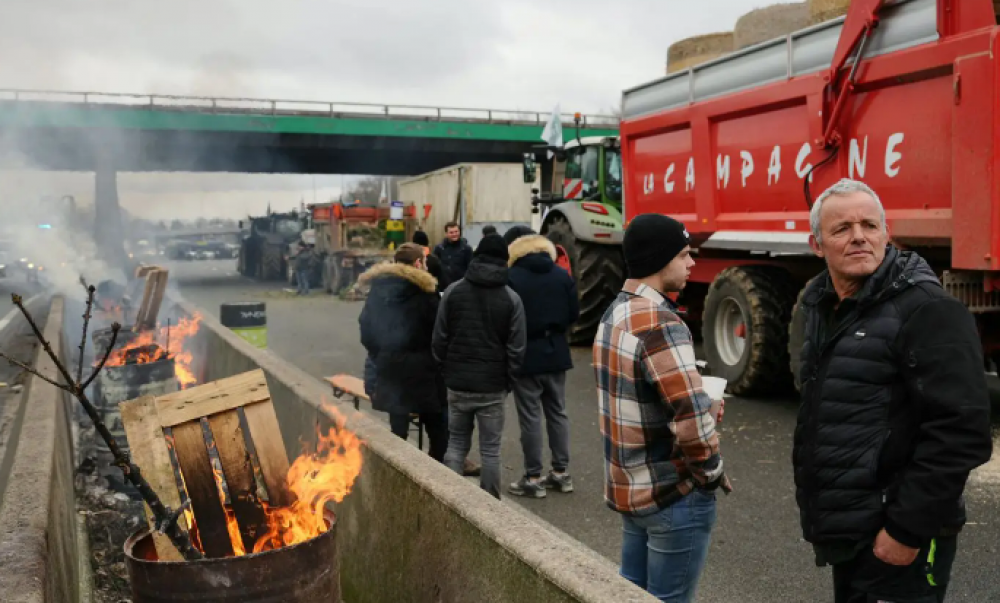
(526, 487)
(558, 481)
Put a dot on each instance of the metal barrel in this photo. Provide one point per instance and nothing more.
(120, 384)
(305, 572)
(246, 319)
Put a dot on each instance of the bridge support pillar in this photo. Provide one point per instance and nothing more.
(108, 230)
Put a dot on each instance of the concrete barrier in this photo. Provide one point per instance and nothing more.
(412, 530)
(38, 522)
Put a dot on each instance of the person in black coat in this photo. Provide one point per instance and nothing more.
(895, 411)
(479, 340)
(434, 265)
(454, 252)
(550, 307)
(397, 325)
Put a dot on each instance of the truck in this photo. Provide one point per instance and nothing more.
(264, 245)
(471, 194)
(900, 94)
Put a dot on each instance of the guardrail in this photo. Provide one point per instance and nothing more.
(277, 107)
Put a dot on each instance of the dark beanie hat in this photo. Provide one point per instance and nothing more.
(651, 242)
(420, 238)
(516, 232)
(494, 247)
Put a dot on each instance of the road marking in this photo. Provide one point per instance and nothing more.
(6, 320)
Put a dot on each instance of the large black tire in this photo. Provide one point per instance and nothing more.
(763, 297)
(796, 339)
(271, 262)
(599, 271)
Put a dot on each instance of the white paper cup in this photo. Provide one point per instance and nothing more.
(715, 387)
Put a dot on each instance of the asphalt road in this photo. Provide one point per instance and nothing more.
(757, 554)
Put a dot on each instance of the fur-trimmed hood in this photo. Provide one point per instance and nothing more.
(420, 278)
(529, 244)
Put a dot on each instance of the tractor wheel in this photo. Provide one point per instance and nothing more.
(745, 329)
(599, 271)
(796, 339)
(271, 263)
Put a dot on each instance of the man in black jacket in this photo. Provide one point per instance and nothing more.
(397, 324)
(454, 252)
(479, 339)
(895, 410)
(550, 307)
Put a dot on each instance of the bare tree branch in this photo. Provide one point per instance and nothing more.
(111, 346)
(86, 325)
(34, 372)
(165, 518)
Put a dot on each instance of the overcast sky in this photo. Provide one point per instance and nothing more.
(510, 54)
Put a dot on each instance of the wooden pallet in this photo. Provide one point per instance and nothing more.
(351, 387)
(150, 422)
(152, 297)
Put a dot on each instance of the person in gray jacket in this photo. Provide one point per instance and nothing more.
(479, 338)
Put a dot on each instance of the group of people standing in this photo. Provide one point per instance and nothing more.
(450, 333)
(894, 412)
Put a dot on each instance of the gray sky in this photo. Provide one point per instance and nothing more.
(510, 54)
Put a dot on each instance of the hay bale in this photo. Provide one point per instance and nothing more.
(696, 50)
(824, 10)
(770, 22)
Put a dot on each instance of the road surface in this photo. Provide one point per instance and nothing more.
(757, 553)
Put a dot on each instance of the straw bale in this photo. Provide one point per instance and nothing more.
(770, 22)
(693, 51)
(824, 10)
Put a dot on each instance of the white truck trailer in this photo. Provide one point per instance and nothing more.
(474, 195)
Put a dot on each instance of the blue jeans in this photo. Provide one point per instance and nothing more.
(302, 276)
(465, 410)
(664, 553)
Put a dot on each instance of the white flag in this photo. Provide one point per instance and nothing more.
(552, 134)
(384, 197)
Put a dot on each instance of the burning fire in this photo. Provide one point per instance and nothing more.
(315, 478)
(156, 345)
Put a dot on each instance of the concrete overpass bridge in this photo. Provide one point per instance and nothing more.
(108, 133)
(93, 131)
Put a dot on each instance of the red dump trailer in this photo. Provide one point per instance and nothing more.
(737, 147)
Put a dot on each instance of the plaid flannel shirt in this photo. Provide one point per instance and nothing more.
(659, 436)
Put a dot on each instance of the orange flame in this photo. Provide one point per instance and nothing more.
(151, 346)
(231, 524)
(315, 478)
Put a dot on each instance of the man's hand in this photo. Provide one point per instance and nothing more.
(892, 552)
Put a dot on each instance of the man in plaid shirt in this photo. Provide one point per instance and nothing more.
(661, 450)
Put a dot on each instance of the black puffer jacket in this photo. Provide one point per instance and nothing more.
(480, 333)
(397, 325)
(550, 304)
(895, 411)
(455, 258)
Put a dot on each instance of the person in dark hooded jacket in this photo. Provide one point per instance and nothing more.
(550, 307)
(479, 339)
(895, 409)
(397, 325)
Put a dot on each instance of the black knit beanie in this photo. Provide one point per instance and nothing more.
(516, 232)
(494, 247)
(651, 242)
(420, 238)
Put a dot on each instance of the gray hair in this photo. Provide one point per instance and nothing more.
(846, 186)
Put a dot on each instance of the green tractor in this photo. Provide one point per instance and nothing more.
(580, 203)
(264, 246)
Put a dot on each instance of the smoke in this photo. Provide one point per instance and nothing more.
(45, 232)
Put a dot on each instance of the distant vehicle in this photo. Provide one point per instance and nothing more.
(263, 252)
